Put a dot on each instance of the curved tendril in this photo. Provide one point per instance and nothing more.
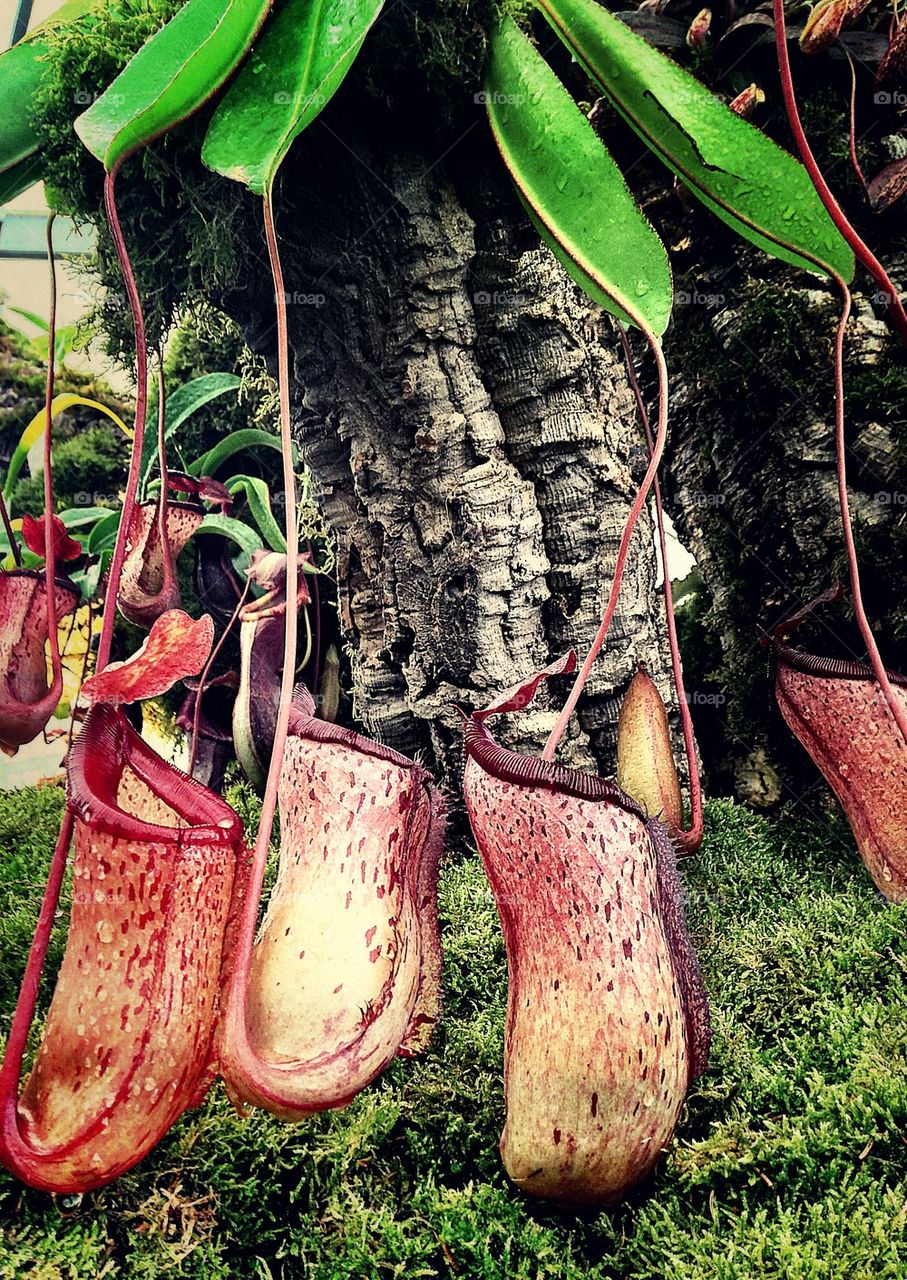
(236, 996)
(11, 1070)
(892, 301)
(141, 401)
(163, 531)
(86, 658)
(316, 608)
(620, 565)
(206, 671)
(875, 658)
(694, 834)
(50, 550)
(852, 126)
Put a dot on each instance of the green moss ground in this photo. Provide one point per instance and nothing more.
(790, 1160)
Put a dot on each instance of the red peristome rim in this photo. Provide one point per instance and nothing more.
(304, 724)
(62, 583)
(532, 771)
(106, 747)
(812, 664)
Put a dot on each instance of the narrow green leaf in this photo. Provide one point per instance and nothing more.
(79, 517)
(235, 442)
(245, 537)
(185, 401)
(258, 497)
(572, 188)
(36, 428)
(32, 317)
(21, 72)
(291, 74)
(754, 186)
(171, 76)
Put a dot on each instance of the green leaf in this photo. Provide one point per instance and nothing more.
(290, 76)
(36, 428)
(759, 190)
(258, 497)
(171, 76)
(32, 317)
(572, 188)
(88, 580)
(242, 534)
(20, 176)
(185, 401)
(103, 534)
(21, 71)
(235, 442)
(79, 517)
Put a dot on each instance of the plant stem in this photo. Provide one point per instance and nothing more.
(875, 658)
(291, 533)
(620, 565)
(10, 534)
(85, 660)
(236, 1040)
(692, 838)
(852, 128)
(141, 403)
(896, 313)
(27, 999)
(316, 605)
(50, 550)
(163, 531)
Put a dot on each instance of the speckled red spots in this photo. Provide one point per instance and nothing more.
(176, 646)
(26, 701)
(126, 1044)
(148, 584)
(361, 832)
(840, 716)
(584, 1122)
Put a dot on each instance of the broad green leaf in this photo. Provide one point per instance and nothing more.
(21, 72)
(35, 430)
(258, 497)
(572, 188)
(245, 537)
(103, 536)
(20, 176)
(79, 517)
(754, 186)
(291, 74)
(171, 76)
(235, 442)
(185, 401)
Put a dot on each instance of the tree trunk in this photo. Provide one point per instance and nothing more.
(472, 443)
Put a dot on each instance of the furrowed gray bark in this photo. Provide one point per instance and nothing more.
(473, 446)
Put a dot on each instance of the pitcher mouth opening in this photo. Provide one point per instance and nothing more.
(105, 751)
(813, 664)
(532, 771)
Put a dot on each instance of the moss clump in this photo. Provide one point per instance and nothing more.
(789, 1161)
(190, 229)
